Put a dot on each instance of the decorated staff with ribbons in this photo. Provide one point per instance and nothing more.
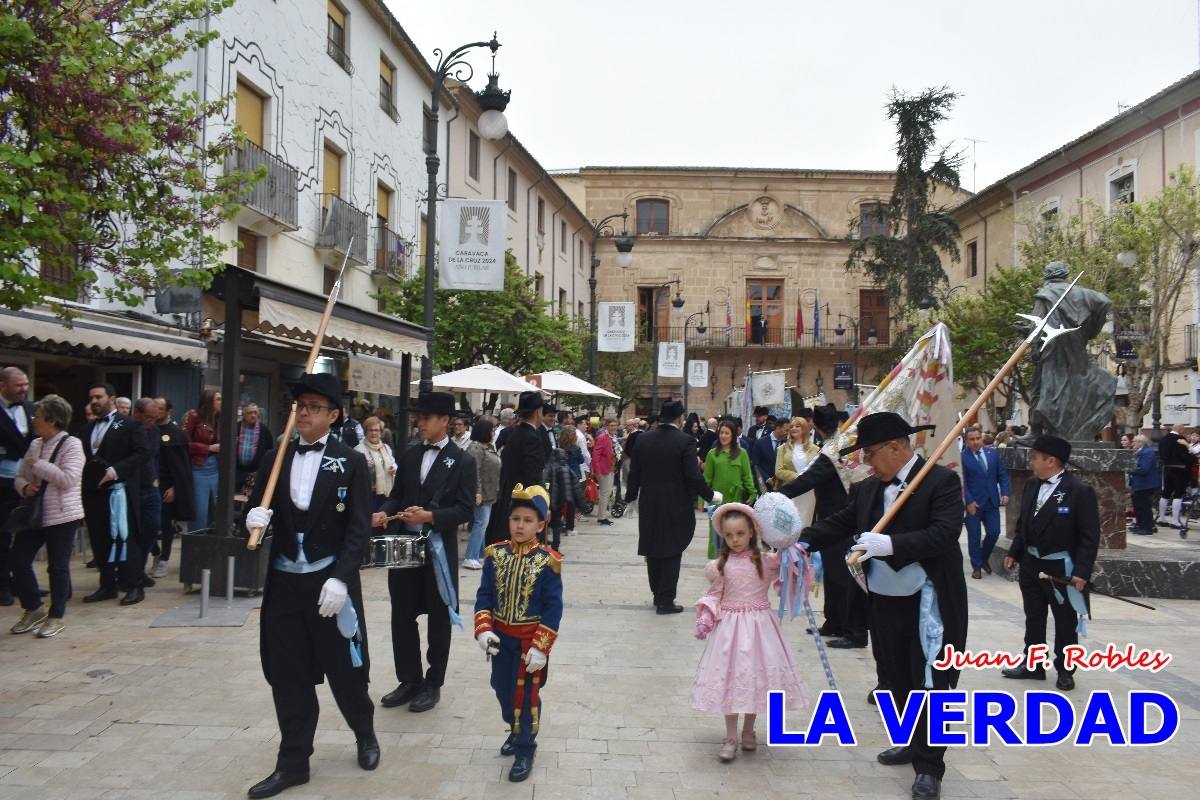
(1058, 534)
(434, 493)
(312, 612)
(918, 596)
(518, 610)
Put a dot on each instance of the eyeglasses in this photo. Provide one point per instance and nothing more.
(869, 452)
(312, 408)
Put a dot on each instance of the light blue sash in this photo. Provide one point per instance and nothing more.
(884, 580)
(445, 583)
(347, 622)
(1073, 594)
(118, 524)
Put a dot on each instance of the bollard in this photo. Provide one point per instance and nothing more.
(229, 567)
(205, 581)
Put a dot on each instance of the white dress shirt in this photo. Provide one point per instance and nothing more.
(892, 490)
(101, 429)
(431, 456)
(1046, 489)
(304, 473)
(16, 413)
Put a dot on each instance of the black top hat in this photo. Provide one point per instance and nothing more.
(1053, 446)
(530, 402)
(670, 411)
(883, 426)
(321, 383)
(825, 417)
(761, 411)
(439, 403)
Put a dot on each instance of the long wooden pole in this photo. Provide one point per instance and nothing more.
(256, 534)
(965, 420)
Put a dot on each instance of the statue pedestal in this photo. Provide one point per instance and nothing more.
(1099, 464)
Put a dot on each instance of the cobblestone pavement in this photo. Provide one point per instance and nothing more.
(115, 709)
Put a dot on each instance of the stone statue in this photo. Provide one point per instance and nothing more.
(1072, 397)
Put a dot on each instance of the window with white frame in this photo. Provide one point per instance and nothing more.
(1122, 184)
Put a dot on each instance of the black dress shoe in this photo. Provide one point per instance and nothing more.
(426, 699)
(846, 643)
(521, 768)
(825, 633)
(134, 596)
(926, 787)
(368, 753)
(895, 755)
(671, 609)
(987, 568)
(1065, 682)
(276, 782)
(402, 695)
(91, 564)
(508, 748)
(148, 582)
(101, 594)
(1023, 673)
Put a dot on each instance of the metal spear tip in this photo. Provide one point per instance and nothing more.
(494, 44)
(1051, 331)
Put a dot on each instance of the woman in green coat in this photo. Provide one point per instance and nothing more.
(727, 470)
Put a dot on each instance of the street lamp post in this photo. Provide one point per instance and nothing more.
(492, 125)
(676, 302)
(700, 329)
(624, 244)
(872, 339)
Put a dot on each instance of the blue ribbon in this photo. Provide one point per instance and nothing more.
(118, 524)
(905, 582)
(347, 622)
(795, 581)
(930, 629)
(441, 571)
(1073, 594)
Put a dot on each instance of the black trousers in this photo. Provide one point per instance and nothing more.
(8, 501)
(299, 644)
(58, 539)
(1175, 483)
(1143, 512)
(1037, 597)
(414, 592)
(128, 573)
(663, 574)
(838, 584)
(903, 664)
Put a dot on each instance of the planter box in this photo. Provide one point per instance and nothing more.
(204, 549)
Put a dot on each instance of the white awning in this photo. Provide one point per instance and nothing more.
(556, 381)
(375, 375)
(276, 315)
(481, 378)
(119, 336)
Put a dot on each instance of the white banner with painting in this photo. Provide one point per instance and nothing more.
(474, 236)
(670, 359)
(769, 388)
(615, 328)
(697, 373)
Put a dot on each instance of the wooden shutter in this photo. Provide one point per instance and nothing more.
(249, 113)
(383, 204)
(333, 172)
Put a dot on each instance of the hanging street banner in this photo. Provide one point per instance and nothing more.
(697, 374)
(770, 388)
(670, 359)
(615, 332)
(843, 375)
(474, 235)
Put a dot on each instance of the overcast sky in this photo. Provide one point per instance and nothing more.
(803, 84)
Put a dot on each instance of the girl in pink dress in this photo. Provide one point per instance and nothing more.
(746, 656)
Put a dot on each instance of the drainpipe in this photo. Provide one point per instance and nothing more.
(554, 249)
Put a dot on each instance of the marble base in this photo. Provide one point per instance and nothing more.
(1102, 465)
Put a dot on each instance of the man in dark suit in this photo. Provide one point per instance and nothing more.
(758, 429)
(174, 483)
(312, 624)
(1058, 533)
(523, 461)
(666, 469)
(116, 452)
(546, 429)
(917, 557)
(434, 493)
(985, 490)
(16, 432)
(762, 452)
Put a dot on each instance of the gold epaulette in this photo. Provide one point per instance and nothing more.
(490, 550)
(556, 559)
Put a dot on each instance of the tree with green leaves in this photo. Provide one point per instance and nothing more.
(513, 329)
(905, 256)
(626, 375)
(103, 166)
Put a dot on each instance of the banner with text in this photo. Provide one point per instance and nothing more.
(697, 374)
(670, 359)
(615, 332)
(474, 235)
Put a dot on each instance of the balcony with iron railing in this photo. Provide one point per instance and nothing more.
(343, 229)
(389, 108)
(1191, 341)
(766, 336)
(273, 200)
(338, 53)
(394, 255)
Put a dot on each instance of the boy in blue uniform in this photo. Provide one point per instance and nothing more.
(517, 614)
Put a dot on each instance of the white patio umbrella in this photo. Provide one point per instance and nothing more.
(481, 378)
(558, 382)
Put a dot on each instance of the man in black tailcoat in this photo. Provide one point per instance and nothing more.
(1058, 534)
(174, 482)
(16, 432)
(918, 555)
(665, 469)
(312, 624)
(522, 461)
(434, 492)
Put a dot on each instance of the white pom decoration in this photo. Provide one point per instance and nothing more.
(779, 518)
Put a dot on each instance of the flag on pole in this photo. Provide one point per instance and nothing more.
(748, 400)
(816, 316)
(728, 317)
(749, 322)
(799, 317)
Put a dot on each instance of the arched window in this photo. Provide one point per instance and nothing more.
(653, 217)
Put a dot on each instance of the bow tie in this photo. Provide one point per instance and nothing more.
(428, 447)
(896, 481)
(1046, 482)
(315, 447)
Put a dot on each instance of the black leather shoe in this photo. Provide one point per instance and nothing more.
(368, 753)
(1023, 673)
(926, 787)
(508, 748)
(871, 694)
(148, 582)
(987, 568)
(671, 609)
(1065, 682)
(276, 782)
(521, 768)
(825, 633)
(402, 695)
(135, 595)
(895, 755)
(426, 699)
(101, 594)
(846, 643)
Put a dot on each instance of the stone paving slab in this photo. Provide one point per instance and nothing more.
(115, 709)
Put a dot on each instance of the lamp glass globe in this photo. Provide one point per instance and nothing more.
(624, 260)
(493, 125)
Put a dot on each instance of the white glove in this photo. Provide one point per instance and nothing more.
(333, 598)
(488, 642)
(258, 517)
(718, 498)
(534, 659)
(873, 545)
